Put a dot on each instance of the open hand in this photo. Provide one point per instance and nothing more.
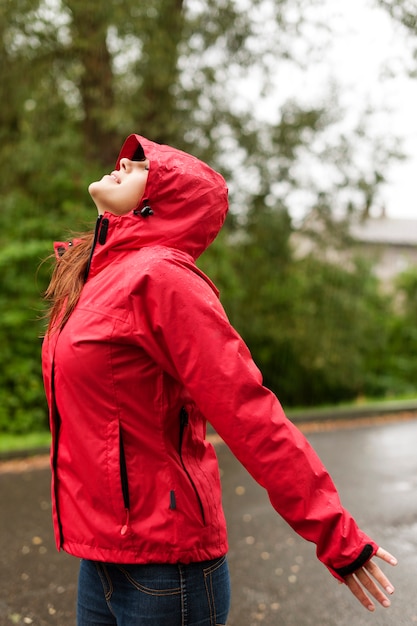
(368, 581)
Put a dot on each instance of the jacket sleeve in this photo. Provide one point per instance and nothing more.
(188, 334)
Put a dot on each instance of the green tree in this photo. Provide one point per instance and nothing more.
(76, 78)
(402, 362)
(316, 323)
(404, 11)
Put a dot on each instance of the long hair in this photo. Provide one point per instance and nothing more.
(67, 282)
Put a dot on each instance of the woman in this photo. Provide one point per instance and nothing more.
(138, 355)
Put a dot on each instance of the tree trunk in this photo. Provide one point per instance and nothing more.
(89, 32)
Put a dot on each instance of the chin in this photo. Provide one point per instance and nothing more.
(95, 189)
(94, 192)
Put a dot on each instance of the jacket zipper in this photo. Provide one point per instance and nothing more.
(124, 482)
(183, 425)
(57, 426)
(100, 236)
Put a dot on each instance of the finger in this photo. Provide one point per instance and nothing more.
(386, 556)
(373, 570)
(359, 592)
(371, 586)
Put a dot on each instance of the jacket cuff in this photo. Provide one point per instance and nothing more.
(364, 556)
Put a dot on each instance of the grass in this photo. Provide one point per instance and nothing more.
(30, 441)
(355, 404)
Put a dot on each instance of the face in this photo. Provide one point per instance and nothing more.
(122, 190)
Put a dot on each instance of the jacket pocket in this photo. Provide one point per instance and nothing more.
(183, 427)
(124, 482)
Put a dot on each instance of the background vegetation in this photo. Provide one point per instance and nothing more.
(75, 79)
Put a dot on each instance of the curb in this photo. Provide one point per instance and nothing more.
(25, 453)
(357, 412)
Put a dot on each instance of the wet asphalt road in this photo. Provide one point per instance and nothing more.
(276, 578)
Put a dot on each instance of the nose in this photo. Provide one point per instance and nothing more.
(124, 163)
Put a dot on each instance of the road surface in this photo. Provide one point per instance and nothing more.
(276, 578)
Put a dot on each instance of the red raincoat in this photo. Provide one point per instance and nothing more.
(147, 356)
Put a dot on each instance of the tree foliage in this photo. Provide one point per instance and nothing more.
(77, 78)
(404, 11)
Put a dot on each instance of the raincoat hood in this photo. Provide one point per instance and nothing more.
(186, 199)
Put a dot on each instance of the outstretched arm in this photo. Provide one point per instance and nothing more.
(190, 337)
(368, 580)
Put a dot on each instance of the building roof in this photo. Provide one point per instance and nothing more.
(383, 230)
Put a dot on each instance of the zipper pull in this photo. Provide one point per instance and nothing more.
(183, 416)
(90, 258)
(183, 425)
(125, 526)
(103, 231)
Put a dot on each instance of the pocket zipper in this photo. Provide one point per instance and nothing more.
(183, 425)
(124, 482)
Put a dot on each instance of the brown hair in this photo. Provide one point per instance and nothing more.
(67, 282)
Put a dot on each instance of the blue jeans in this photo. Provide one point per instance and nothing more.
(197, 594)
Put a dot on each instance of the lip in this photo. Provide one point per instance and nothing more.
(115, 177)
